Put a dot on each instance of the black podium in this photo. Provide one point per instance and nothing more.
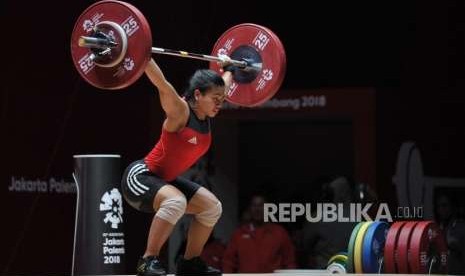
(99, 242)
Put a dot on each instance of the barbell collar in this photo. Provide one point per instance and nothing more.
(96, 42)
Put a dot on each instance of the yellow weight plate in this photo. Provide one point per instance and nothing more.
(359, 247)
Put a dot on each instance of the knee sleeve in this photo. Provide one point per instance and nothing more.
(172, 209)
(210, 216)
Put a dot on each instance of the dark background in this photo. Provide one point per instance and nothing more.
(411, 52)
(322, 142)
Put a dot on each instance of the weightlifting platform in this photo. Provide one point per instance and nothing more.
(310, 272)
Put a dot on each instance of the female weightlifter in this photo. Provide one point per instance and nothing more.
(153, 184)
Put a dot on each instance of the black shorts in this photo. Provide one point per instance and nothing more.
(140, 185)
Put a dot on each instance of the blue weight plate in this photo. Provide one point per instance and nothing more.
(373, 246)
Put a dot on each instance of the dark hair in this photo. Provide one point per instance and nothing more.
(203, 80)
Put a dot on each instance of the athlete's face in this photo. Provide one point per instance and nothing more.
(210, 103)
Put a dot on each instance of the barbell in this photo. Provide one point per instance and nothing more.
(111, 45)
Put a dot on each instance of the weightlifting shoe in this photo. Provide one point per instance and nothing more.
(150, 266)
(195, 266)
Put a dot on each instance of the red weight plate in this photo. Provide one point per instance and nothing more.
(428, 243)
(139, 44)
(403, 254)
(390, 247)
(262, 45)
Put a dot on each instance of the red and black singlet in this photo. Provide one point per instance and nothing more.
(176, 152)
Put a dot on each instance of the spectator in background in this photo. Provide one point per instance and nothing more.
(258, 247)
(454, 231)
(322, 240)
